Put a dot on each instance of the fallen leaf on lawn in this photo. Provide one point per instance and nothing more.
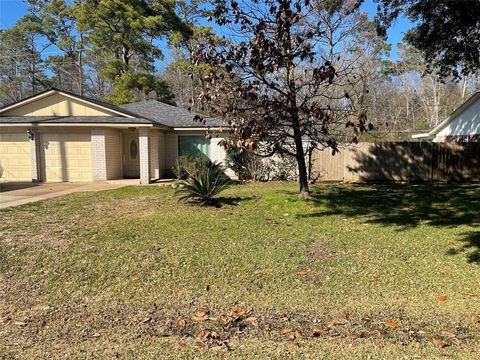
(318, 331)
(217, 348)
(286, 330)
(335, 334)
(135, 278)
(200, 316)
(291, 337)
(238, 312)
(198, 345)
(251, 320)
(96, 335)
(448, 334)
(182, 343)
(214, 335)
(374, 332)
(182, 323)
(439, 343)
(146, 319)
(331, 324)
(472, 294)
(301, 273)
(451, 242)
(442, 298)
(391, 324)
(298, 334)
(353, 337)
(20, 323)
(346, 315)
(474, 320)
(203, 334)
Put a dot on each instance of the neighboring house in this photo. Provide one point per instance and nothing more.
(463, 125)
(60, 136)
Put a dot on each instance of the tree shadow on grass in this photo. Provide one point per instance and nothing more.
(233, 200)
(470, 247)
(406, 207)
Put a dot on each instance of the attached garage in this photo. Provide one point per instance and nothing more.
(66, 157)
(15, 156)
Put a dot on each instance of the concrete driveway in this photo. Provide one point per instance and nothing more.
(13, 194)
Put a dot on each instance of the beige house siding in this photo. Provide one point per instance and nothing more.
(170, 151)
(57, 105)
(113, 152)
(15, 159)
(161, 154)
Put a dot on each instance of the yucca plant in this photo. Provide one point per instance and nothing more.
(205, 185)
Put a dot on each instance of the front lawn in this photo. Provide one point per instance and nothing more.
(358, 272)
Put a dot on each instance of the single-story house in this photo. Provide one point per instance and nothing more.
(463, 125)
(60, 136)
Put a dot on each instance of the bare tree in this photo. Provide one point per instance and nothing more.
(265, 83)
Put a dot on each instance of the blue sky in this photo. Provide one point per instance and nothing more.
(12, 10)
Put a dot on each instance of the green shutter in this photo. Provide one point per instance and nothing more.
(193, 145)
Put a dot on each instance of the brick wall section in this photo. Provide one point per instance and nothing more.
(34, 158)
(99, 163)
(144, 152)
(154, 158)
(113, 151)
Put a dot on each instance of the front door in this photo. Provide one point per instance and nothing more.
(131, 156)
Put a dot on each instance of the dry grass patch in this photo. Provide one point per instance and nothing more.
(131, 273)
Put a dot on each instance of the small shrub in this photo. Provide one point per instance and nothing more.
(188, 165)
(248, 166)
(205, 185)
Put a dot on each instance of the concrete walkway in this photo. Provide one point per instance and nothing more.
(14, 194)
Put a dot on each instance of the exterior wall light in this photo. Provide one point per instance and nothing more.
(31, 134)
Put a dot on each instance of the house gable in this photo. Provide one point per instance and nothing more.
(57, 104)
(466, 122)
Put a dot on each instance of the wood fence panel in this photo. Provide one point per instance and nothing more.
(399, 161)
(327, 167)
(456, 162)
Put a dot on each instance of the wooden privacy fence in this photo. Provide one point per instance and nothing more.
(399, 161)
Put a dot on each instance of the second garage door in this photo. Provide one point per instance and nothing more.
(15, 163)
(66, 157)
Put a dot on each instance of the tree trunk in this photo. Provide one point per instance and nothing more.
(302, 167)
(80, 66)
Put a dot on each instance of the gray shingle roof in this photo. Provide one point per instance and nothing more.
(73, 120)
(169, 115)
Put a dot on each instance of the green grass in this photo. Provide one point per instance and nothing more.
(109, 274)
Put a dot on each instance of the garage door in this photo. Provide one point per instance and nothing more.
(66, 157)
(15, 157)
